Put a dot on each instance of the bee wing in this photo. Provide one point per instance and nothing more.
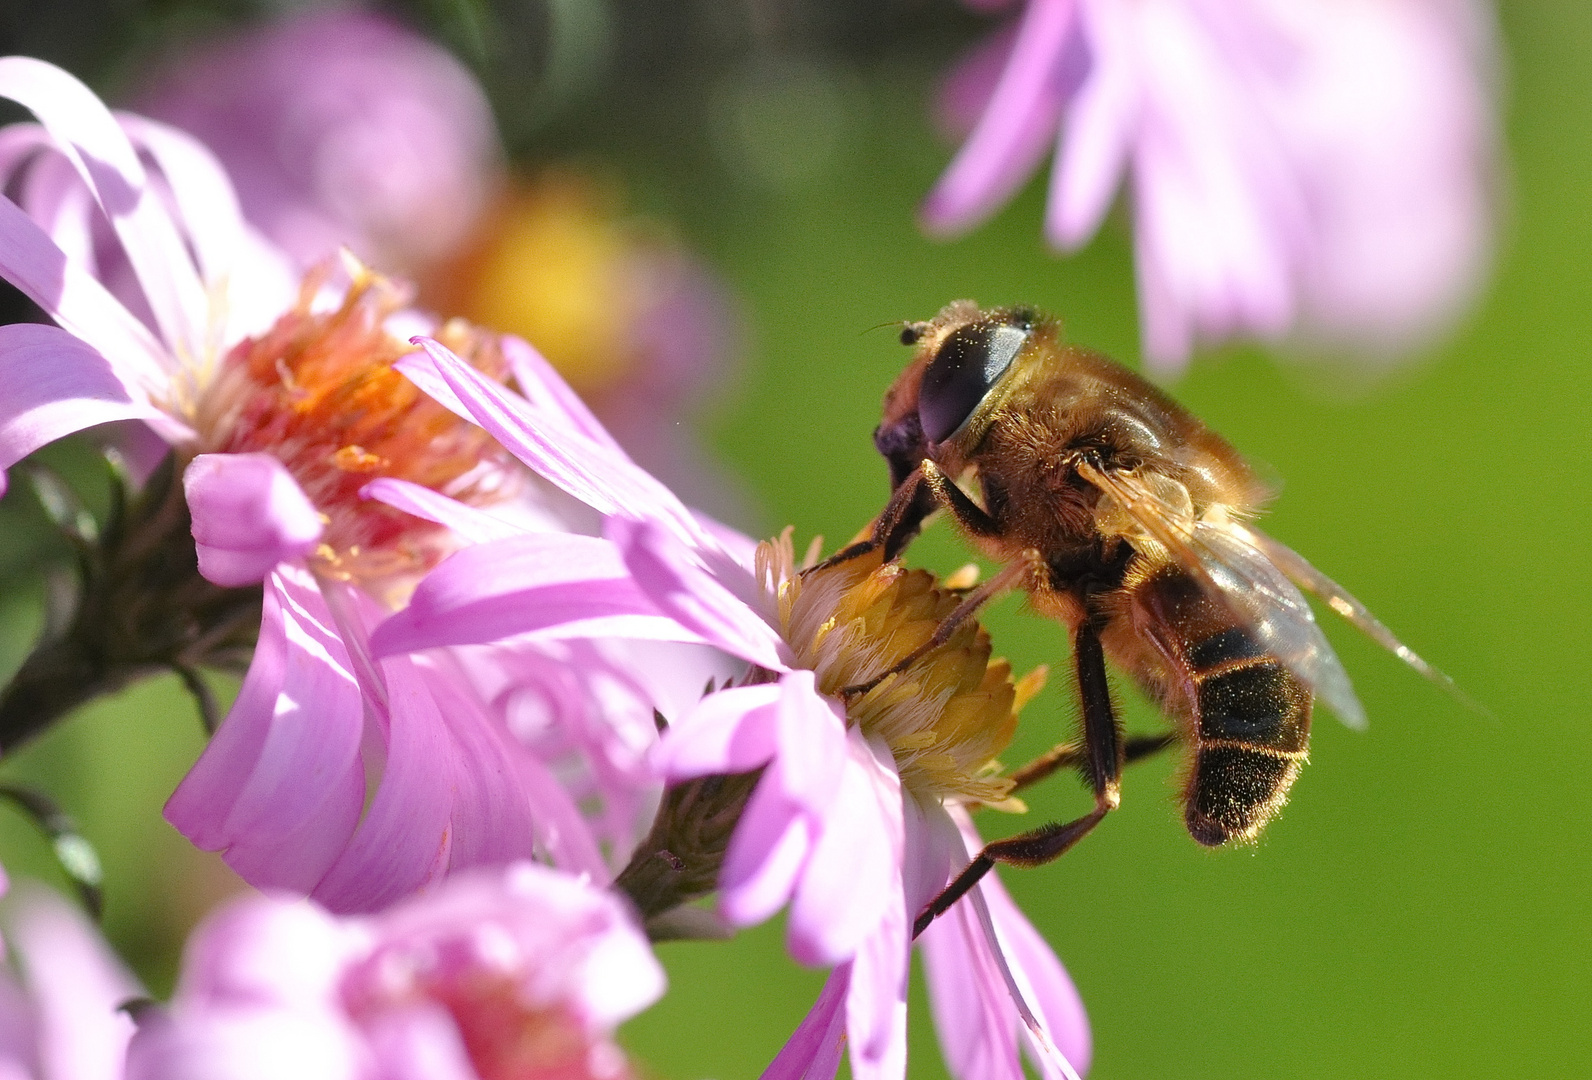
(1337, 598)
(1233, 567)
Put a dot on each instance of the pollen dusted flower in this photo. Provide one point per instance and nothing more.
(848, 819)
(351, 779)
(1318, 168)
(516, 974)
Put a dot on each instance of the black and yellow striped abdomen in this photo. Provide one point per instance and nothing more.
(1249, 715)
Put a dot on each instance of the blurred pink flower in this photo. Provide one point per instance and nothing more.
(1317, 168)
(341, 128)
(831, 829)
(516, 974)
(61, 995)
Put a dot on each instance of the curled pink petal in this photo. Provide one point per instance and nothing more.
(675, 579)
(96, 145)
(52, 384)
(249, 514)
(727, 732)
(280, 786)
(405, 838)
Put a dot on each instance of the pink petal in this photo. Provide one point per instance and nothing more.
(403, 843)
(91, 139)
(249, 514)
(265, 951)
(77, 986)
(280, 785)
(419, 1042)
(32, 262)
(542, 385)
(876, 1008)
(476, 526)
(598, 476)
(766, 853)
(1100, 125)
(814, 747)
(814, 1048)
(672, 575)
(973, 1012)
(554, 584)
(1018, 123)
(259, 281)
(853, 876)
(729, 731)
(245, 1044)
(52, 384)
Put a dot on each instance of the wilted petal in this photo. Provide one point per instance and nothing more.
(249, 514)
(52, 384)
(554, 584)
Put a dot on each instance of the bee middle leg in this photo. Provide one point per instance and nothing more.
(1105, 757)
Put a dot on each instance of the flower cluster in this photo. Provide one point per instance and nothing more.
(510, 705)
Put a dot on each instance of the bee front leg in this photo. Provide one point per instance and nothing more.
(1071, 755)
(1030, 567)
(1103, 741)
(901, 519)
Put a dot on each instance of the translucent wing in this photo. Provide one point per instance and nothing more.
(1336, 597)
(1224, 557)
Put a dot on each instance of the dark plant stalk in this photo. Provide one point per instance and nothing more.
(140, 608)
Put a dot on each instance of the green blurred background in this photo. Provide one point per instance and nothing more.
(1423, 908)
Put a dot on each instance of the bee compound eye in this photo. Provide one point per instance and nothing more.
(969, 362)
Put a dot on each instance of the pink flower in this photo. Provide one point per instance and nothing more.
(342, 129)
(61, 995)
(848, 824)
(1312, 168)
(352, 779)
(517, 974)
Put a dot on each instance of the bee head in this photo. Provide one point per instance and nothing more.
(965, 365)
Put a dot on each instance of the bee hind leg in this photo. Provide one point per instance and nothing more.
(1105, 755)
(1071, 755)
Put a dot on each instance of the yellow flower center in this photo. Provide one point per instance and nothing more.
(318, 392)
(948, 714)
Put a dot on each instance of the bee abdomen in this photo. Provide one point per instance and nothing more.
(1253, 734)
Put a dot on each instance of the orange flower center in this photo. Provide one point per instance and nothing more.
(318, 392)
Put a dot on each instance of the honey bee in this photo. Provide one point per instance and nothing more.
(1126, 519)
